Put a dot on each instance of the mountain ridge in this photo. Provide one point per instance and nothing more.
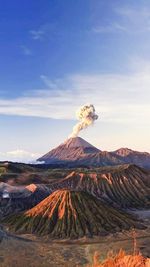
(126, 186)
(78, 152)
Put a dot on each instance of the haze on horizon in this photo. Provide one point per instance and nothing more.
(69, 54)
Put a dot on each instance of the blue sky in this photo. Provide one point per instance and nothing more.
(58, 55)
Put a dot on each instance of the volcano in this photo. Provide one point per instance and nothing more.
(71, 214)
(72, 150)
(76, 152)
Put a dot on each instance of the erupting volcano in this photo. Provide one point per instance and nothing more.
(73, 149)
(76, 152)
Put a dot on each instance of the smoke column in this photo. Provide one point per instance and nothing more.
(86, 116)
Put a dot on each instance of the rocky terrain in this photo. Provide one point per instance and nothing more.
(2, 234)
(127, 186)
(7, 190)
(67, 203)
(16, 199)
(71, 214)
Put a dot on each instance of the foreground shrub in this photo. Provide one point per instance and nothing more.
(121, 260)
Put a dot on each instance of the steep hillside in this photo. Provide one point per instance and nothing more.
(28, 198)
(3, 234)
(71, 214)
(100, 159)
(127, 185)
(73, 149)
(12, 191)
(130, 156)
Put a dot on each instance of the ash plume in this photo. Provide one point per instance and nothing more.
(86, 116)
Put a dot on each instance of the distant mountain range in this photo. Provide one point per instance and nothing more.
(76, 152)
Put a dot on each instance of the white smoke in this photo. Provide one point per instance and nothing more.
(86, 115)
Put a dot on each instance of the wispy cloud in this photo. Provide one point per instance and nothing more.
(43, 32)
(127, 20)
(136, 19)
(19, 155)
(37, 34)
(48, 82)
(25, 50)
(122, 98)
(113, 27)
